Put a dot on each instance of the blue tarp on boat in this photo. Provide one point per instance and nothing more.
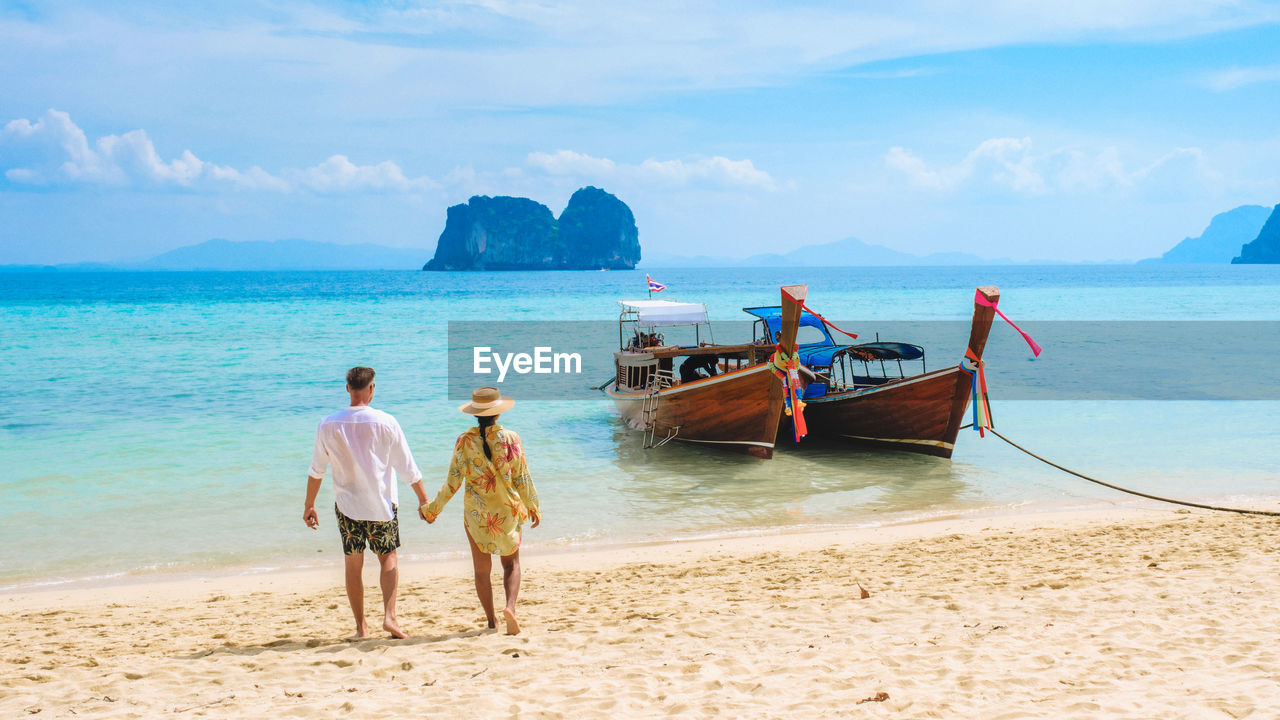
(822, 354)
(773, 318)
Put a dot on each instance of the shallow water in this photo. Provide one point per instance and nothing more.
(164, 420)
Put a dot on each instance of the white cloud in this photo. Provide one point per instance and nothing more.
(568, 162)
(338, 174)
(1238, 77)
(1012, 165)
(255, 178)
(892, 74)
(134, 155)
(54, 149)
(113, 159)
(515, 54)
(1007, 161)
(919, 173)
(24, 176)
(712, 171)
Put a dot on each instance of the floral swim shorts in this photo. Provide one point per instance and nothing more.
(383, 536)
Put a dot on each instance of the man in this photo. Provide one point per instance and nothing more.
(367, 449)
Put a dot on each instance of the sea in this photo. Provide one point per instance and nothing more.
(158, 423)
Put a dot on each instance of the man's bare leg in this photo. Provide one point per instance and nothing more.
(511, 584)
(390, 580)
(355, 592)
(483, 565)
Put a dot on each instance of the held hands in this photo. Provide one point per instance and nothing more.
(430, 517)
(311, 517)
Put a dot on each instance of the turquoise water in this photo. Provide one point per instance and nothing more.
(163, 421)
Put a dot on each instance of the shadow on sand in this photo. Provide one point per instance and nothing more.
(334, 645)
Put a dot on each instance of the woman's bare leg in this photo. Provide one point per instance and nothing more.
(511, 585)
(483, 565)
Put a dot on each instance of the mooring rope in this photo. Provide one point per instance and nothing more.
(1187, 503)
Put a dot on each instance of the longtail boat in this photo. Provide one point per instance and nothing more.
(725, 395)
(917, 413)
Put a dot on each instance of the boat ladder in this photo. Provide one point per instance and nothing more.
(671, 435)
(658, 382)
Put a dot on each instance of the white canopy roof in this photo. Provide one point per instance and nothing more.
(661, 313)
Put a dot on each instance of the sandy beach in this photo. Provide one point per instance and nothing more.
(1137, 614)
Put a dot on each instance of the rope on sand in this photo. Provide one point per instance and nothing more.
(1187, 503)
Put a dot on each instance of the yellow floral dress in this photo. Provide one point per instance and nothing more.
(500, 494)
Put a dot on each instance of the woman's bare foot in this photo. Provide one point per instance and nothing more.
(513, 627)
(390, 626)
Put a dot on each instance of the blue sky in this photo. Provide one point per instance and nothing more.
(1086, 130)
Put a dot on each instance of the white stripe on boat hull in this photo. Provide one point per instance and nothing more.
(908, 441)
(727, 442)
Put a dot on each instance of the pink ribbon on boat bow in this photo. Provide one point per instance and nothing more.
(981, 299)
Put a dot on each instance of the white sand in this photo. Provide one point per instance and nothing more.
(1144, 614)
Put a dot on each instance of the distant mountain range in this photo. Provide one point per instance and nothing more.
(288, 254)
(1218, 244)
(1222, 240)
(849, 251)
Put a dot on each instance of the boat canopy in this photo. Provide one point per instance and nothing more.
(822, 354)
(665, 313)
(892, 350)
(773, 317)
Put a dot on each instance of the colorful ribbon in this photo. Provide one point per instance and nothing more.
(981, 402)
(981, 299)
(787, 367)
(828, 322)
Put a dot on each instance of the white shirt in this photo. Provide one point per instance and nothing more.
(367, 449)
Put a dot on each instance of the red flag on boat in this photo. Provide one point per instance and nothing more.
(654, 285)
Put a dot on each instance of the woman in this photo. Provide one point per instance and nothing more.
(489, 460)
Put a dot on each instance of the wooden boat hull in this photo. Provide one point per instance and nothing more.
(920, 414)
(738, 410)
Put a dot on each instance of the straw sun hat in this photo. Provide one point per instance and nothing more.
(486, 401)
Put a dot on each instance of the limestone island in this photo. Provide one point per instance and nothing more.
(1265, 249)
(596, 231)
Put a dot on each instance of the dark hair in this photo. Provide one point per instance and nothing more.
(359, 378)
(485, 421)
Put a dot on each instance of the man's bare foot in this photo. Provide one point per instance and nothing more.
(390, 626)
(493, 623)
(362, 632)
(513, 627)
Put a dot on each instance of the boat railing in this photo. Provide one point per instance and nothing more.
(838, 377)
(660, 380)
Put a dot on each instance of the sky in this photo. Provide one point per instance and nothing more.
(1089, 130)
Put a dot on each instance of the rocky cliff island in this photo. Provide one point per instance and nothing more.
(1266, 247)
(596, 231)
